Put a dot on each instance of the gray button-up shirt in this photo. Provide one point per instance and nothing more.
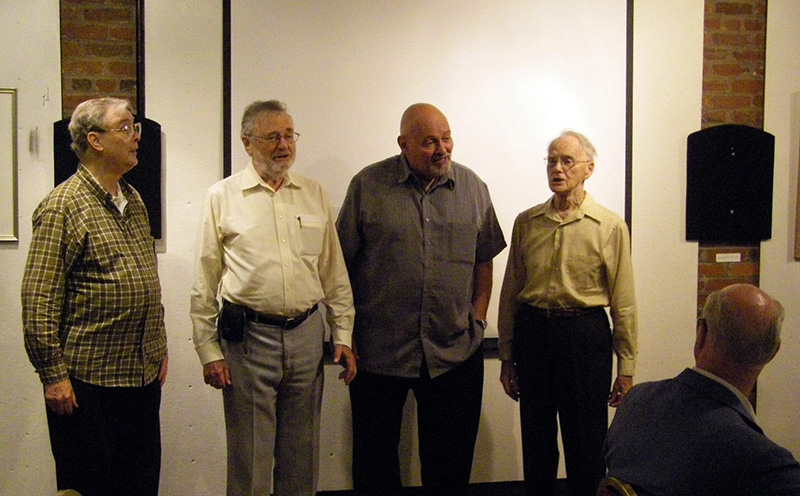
(410, 255)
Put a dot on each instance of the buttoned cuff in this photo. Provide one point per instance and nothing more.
(343, 336)
(53, 373)
(209, 352)
(626, 366)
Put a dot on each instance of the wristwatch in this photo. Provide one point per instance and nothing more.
(484, 324)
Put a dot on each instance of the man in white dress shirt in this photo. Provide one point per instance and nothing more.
(269, 251)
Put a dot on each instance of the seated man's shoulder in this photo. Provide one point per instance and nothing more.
(697, 441)
(650, 390)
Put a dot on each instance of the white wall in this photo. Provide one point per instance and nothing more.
(667, 89)
(183, 42)
(778, 390)
(184, 95)
(30, 62)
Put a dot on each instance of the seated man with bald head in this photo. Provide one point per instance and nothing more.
(697, 433)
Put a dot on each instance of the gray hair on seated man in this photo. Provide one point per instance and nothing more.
(740, 332)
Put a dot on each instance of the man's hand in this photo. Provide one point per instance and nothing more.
(508, 377)
(216, 374)
(344, 355)
(622, 385)
(60, 397)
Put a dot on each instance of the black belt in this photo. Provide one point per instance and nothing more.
(279, 320)
(562, 313)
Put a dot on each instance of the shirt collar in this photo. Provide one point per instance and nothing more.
(742, 398)
(97, 190)
(588, 208)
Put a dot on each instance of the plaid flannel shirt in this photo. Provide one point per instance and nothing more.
(91, 297)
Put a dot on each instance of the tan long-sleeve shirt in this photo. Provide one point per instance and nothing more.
(581, 261)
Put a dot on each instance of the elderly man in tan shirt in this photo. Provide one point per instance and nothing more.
(569, 260)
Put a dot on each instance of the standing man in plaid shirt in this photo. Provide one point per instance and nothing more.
(92, 313)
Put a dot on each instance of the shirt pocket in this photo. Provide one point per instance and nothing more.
(585, 272)
(311, 229)
(460, 242)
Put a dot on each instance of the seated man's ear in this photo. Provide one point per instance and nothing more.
(700, 336)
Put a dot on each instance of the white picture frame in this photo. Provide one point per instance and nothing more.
(9, 224)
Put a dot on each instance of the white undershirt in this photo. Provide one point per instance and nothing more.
(119, 200)
(733, 389)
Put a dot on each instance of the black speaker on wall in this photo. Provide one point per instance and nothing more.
(729, 172)
(145, 177)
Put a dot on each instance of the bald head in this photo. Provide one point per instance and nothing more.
(743, 324)
(425, 140)
(416, 113)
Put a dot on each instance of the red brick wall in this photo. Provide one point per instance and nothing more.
(98, 51)
(734, 48)
(733, 69)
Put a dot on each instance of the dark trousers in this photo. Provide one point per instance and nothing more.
(448, 414)
(564, 371)
(111, 444)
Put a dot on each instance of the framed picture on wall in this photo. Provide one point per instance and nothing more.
(8, 165)
(797, 215)
(795, 130)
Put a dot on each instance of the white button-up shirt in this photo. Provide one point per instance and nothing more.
(276, 252)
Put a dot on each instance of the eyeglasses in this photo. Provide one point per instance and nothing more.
(274, 139)
(567, 162)
(128, 129)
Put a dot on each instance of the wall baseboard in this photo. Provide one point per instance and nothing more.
(513, 488)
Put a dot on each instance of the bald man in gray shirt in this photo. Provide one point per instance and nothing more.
(418, 234)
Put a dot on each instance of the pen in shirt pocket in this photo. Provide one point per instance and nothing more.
(300, 221)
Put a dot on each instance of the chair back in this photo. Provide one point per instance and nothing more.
(612, 486)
